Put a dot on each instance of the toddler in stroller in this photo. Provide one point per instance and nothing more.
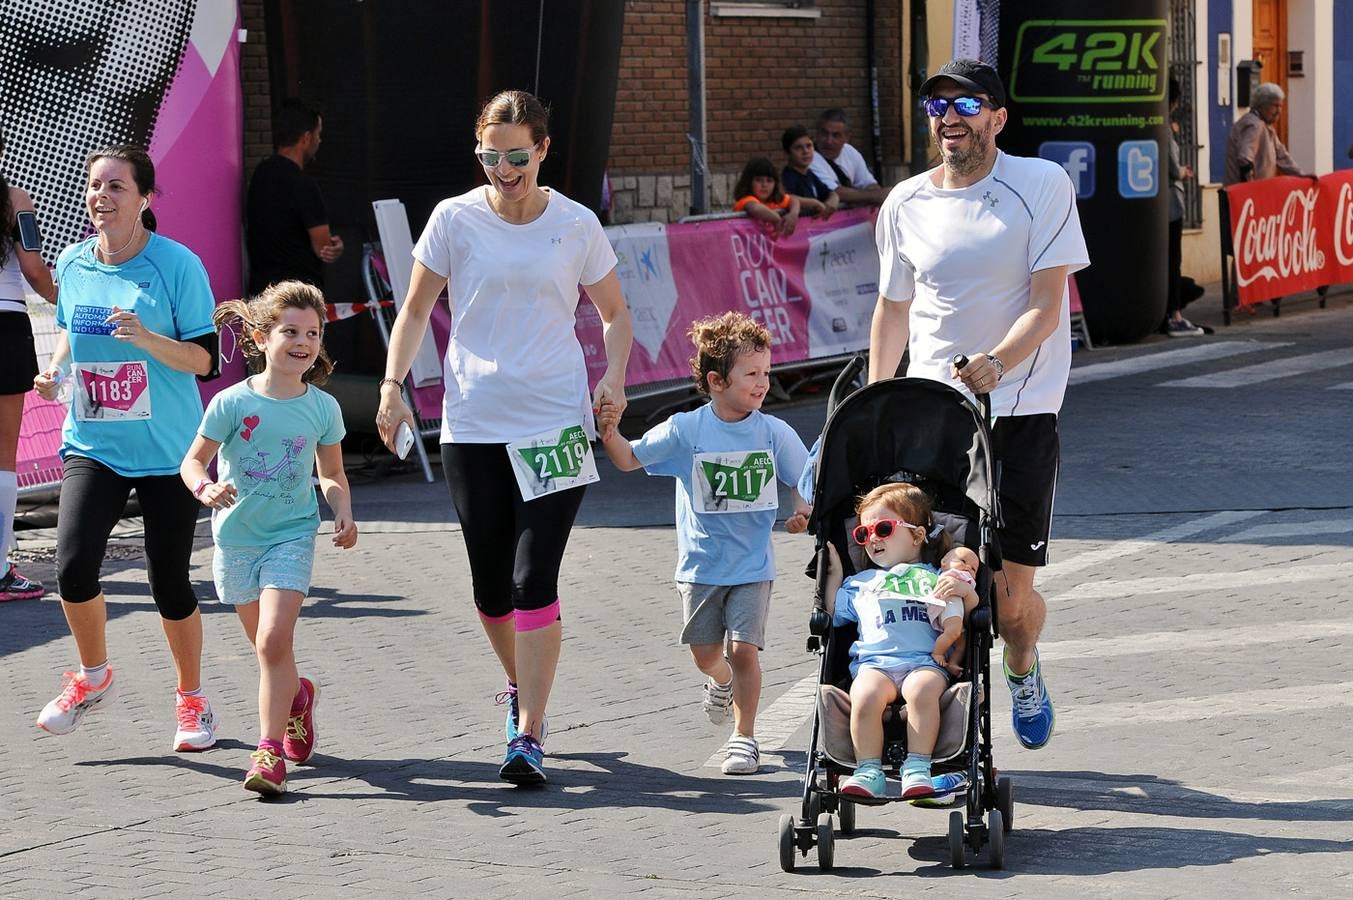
(900, 608)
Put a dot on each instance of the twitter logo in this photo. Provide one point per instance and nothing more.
(1138, 169)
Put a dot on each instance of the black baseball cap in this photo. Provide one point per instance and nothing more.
(971, 74)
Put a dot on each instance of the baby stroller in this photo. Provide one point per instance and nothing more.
(929, 434)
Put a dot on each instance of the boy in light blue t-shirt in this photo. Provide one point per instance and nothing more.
(727, 458)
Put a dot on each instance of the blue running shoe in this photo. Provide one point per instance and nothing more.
(949, 788)
(512, 727)
(525, 761)
(1031, 710)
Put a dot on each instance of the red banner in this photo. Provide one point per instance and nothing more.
(1291, 234)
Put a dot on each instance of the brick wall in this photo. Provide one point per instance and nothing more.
(255, 86)
(761, 75)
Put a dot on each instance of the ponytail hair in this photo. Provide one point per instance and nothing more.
(143, 172)
(262, 314)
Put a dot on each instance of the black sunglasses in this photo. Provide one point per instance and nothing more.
(936, 107)
(517, 158)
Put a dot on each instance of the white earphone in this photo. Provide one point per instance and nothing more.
(144, 205)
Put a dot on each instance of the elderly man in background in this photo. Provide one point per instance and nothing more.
(1253, 150)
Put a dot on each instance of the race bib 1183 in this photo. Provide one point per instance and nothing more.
(552, 461)
(111, 391)
(735, 481)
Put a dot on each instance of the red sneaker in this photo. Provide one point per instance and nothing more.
(268, 774)
(298, 744)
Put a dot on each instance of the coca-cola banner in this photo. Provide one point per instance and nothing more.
(1291, 234)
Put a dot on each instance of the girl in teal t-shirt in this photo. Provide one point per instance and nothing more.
(270, 430)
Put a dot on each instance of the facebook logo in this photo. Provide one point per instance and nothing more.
(1138, 169)
(1078, 158)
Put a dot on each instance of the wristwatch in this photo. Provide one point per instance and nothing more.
(1000, 366)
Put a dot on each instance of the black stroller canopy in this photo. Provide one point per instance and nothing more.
(909, 425)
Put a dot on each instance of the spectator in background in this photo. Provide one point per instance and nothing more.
(1253, 151)
(1175, 324)
(761, 197)
(286, 224)
(815, 198)
(840, 166)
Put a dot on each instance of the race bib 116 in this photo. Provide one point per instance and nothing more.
(735, 482)
(111, 391)
(552, 461)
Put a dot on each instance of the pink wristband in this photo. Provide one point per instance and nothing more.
(201, 486)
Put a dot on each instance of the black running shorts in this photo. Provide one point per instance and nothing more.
(18, 361)
(1028, 450)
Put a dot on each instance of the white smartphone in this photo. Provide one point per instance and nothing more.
(403, 440)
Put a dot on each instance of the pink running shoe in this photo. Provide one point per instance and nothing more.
(63, 714)
(14, 586)
(268, 774)
(299, 742)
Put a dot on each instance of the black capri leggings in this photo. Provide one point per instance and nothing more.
(515, 547)
(93, 498)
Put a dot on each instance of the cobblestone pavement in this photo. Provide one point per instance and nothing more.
(1197, 647)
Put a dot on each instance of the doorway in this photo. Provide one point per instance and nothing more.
(1270, 48)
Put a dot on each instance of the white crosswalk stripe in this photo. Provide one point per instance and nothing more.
(1283, 367)
(1224, 707)
(1197, 642)
(1135, 365)
(1199, 582)
(1289, 529)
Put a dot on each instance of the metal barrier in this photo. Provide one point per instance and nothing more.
(378, 289)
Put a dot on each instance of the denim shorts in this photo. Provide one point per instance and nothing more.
(242, 573)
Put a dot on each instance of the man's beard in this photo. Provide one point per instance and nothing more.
(964, 162)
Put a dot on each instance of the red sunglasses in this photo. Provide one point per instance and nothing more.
(883, 528)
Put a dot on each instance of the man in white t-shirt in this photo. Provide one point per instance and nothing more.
(974, 257)
(840, 166)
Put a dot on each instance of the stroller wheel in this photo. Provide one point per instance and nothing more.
(1005, 802)
(826, 842)
(787, 842)
(996, 837)
(956, 837)
(847, 814)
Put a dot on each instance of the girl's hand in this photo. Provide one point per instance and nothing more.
(218, 496)
(834, 569)
(788, 223)
(390, 413)
(798, 523)
(127, 327)
(48, 383)
(345, 532)
(610, 390)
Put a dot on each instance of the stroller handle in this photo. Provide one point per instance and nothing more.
(841, 386)
(960, 361)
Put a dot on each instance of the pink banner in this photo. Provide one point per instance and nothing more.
(168, 78)
(815, 291)
(1291, 234)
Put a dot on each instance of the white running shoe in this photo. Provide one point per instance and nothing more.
(744, 756)
(196, 724)
(63, 714)
(718, 700)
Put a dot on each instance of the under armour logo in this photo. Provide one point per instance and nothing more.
(1036, 546)
(992, 201)
(557, 239)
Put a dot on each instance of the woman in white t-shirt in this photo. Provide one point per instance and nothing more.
(512, 256)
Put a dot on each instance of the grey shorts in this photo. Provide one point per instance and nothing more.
(899, 674)
(710, 611)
